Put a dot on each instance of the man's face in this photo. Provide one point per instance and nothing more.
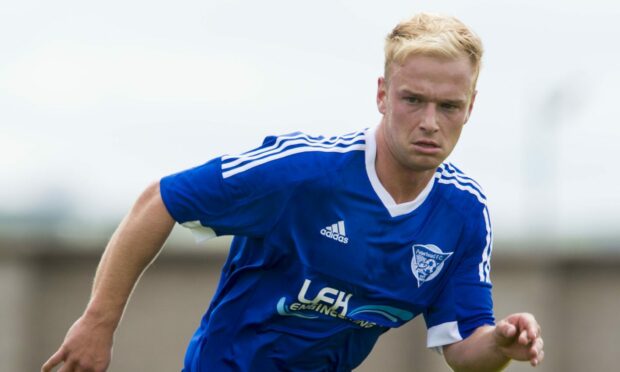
(425, 102)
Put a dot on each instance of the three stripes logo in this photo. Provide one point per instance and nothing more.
(336, 231)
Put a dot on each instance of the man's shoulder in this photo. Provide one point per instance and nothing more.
(466, 199)
(294, 155)
(460, 190)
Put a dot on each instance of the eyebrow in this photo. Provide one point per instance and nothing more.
(452, 101)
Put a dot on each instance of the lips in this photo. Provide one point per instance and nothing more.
(426, 143)
(427, 147)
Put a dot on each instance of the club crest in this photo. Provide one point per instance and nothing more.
(427, 262)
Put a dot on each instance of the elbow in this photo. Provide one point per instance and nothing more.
(452, 355)
(476, 353)
(455, 363)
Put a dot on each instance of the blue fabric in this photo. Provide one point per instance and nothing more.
(318, 268)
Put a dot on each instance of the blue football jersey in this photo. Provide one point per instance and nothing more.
(324, 261)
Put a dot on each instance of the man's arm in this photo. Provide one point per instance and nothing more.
(490, 348)
(135, 243)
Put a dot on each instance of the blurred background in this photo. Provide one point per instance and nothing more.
(97, 99)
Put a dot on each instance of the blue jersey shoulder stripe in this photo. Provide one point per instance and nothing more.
(290, 145)
(451, 168)
(484, 268)
(450, 175)
(283, 140)
(461, 186)
(449, 171)
(282, 144)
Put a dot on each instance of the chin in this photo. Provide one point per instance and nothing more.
(425, 163)
(424, 167)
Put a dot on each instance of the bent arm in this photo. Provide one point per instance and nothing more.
(133, 246)
(478, 352)
(491, 348)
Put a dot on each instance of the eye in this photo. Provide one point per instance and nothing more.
(447, 106)
(412, 99)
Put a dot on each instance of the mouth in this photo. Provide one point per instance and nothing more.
(427, 146)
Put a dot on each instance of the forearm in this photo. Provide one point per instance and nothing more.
(477, 353)
(135, 244)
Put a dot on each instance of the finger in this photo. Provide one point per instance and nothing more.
(534, 330)
(506, 329)
(523, 339)
(536, 361)
(68, 366)
(537, 347)
(54, 360)
(536, 352)
(529, 322)
(541, 356)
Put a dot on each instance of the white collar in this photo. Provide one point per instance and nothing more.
(393, 208)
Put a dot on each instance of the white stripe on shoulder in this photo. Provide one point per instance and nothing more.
(286, 143)
(282, 153)
(484, 268)
(449, 170)
(469, 188)
(288, 137)
(462, 182)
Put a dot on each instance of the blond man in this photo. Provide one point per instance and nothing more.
(337, 239)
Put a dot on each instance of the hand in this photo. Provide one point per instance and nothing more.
(518, 337)
(87, 347)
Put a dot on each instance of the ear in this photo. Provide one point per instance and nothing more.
(471, 106)
(381, 95)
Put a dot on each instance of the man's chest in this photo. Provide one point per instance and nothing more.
(354, 260)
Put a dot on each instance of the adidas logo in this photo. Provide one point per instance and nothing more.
(336, 231)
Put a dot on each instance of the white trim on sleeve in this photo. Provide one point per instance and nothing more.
(443, 334)
(201, 233)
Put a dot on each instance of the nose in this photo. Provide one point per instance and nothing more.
(429, 118)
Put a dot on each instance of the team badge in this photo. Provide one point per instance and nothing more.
(427, 262)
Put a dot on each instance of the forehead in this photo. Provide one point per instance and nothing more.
(437, 76)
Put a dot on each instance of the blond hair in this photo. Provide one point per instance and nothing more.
(433, 35)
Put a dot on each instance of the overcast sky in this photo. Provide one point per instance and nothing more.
(99, 98)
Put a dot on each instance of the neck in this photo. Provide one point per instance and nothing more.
(402, 183)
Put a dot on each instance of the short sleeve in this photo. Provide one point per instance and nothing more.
(465, 303)
(247, 203)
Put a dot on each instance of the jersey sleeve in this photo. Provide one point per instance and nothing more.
(466, 302)
(213, 203)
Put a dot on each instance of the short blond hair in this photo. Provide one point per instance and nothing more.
(433, 35)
